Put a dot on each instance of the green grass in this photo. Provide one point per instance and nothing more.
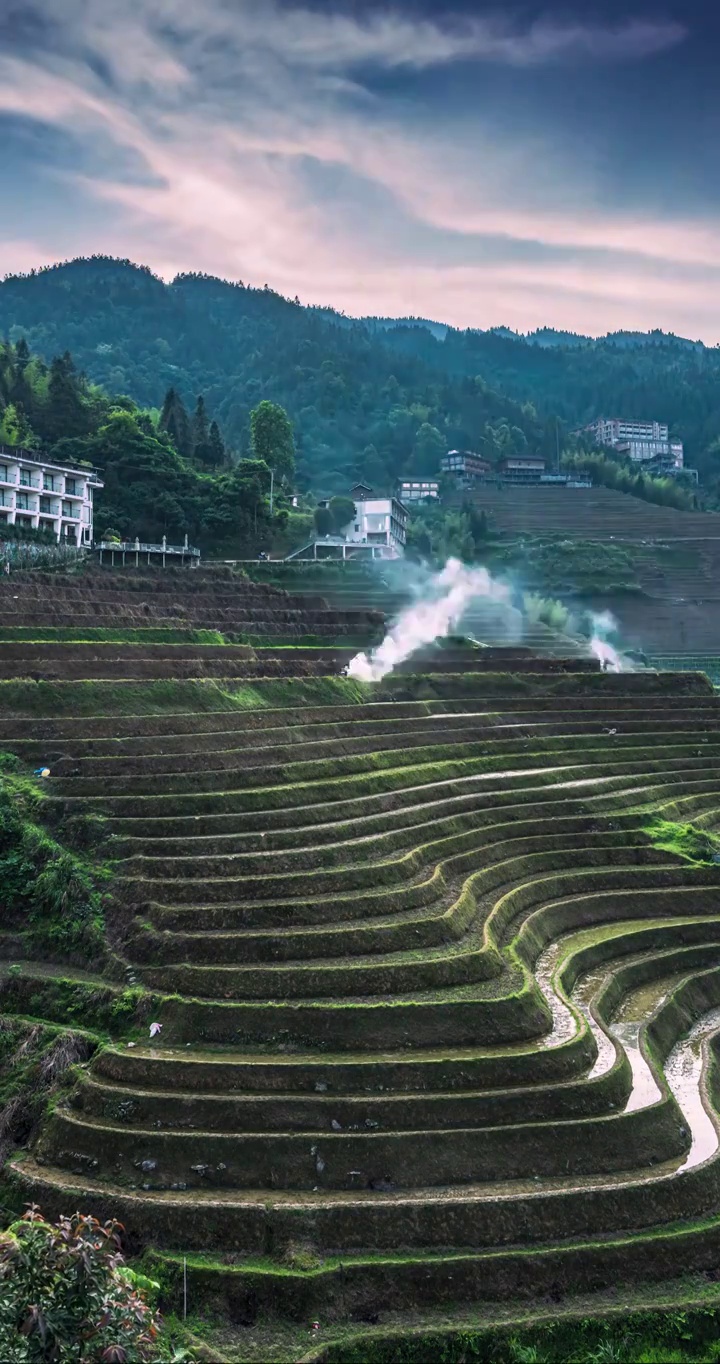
(98, 698)
(50, 891)
(685, 840)
(674, 1335)
(97, 634)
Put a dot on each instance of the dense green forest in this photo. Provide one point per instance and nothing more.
(367, 398)
(358, 408)
(370, 398)
(660, 377)
(167, 472)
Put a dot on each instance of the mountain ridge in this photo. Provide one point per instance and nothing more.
(372, 397)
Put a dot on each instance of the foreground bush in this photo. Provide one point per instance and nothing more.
(67, 1295)
(49, 891)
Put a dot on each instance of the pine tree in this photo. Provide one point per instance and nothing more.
(174, 419)
(64, 412)
(167, 407)
(216, 445)
(20, 391)
(200, 423)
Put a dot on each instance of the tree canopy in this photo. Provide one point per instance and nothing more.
(373, 400)
(359, 408)
(164, 472)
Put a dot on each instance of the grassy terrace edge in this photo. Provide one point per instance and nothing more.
(112, 1012)
(50, 699)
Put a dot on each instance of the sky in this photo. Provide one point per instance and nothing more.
(479, 164)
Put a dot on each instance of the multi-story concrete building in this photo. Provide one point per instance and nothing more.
(378, 530)
(417, 489)
(380, 521)
(638, 440)
(45, 496)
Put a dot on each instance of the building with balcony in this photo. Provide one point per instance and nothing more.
(417, 489)
(378, 521)
(466, 466)
(522, 469)
(378, 530)
(640, 441)
(36, 493)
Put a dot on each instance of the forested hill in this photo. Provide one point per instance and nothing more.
(368, 398)
(358, 408)
(657, 376)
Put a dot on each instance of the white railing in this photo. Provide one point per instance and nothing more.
(137, 547)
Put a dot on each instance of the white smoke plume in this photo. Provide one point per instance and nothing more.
(603, 623)
(445, 598)
(610, 659)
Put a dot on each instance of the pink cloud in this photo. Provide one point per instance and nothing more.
(226, 134)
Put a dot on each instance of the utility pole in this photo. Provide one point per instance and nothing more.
(557, 444)
(272, 487)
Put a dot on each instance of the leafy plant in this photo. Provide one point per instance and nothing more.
(66, 1294)
(546, 611)
(48, 889)
(524, 1354)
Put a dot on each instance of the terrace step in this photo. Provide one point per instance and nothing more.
(431, 996)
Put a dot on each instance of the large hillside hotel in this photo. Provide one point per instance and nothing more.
(639, 440)
(38, 494)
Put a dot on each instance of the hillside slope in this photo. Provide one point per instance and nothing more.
(434, 965)
(358, 408)
(659, 377)
(369, 397)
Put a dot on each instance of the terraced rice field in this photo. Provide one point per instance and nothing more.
(439, 1008)
(591, 514)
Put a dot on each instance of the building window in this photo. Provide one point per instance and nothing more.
(67, 509)
(3, 473)
(48, 483)
(21, 502)
(70, 487)
(45, 504)
(25, 479)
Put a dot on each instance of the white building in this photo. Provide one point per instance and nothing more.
(639, 440)
(45, 496)
(378, 521)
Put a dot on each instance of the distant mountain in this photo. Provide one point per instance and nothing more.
(437, 329)
(546, 336)
(372, 397)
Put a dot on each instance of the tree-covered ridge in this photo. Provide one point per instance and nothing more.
(166, 472)
(371, 398)
(663, 378)
(358, 408)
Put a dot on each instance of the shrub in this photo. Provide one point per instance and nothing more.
(47, 888)
(342, 511)
(34, 1061)
(625, 477)
(547, 611)
(323, 521)
(66, 1294)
